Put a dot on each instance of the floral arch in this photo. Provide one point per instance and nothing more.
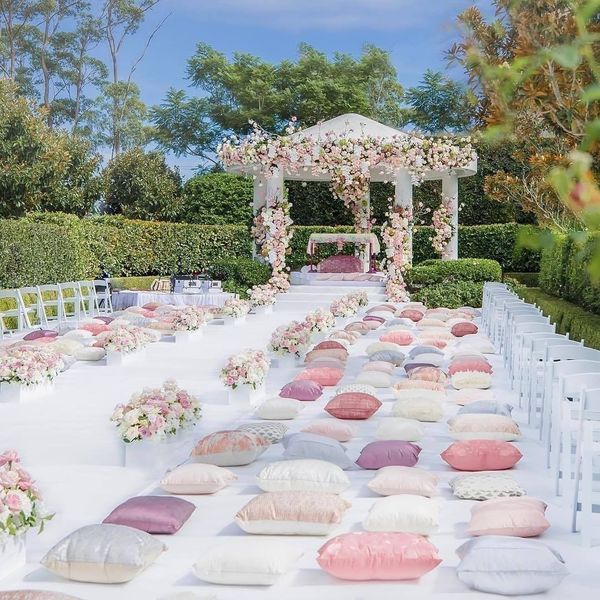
(350, 151)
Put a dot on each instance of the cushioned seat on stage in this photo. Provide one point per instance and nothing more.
(340, 263)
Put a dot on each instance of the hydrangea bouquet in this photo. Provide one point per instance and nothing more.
(155, 414)
(29, 365)
(246, 368)
(290, 339)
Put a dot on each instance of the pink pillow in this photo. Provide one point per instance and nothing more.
(379, 365)
(382, 307)
(521, 517)
(332, 428)
(481, 455)
(95, 328)
(402, 338)
(387, 453)
(106, 320)
(418, 384)
(353, 405)
(428, 374)
(151, 305)
(373, 318)
(372, 324)
(340, 263)
(329, 345)
(302, 390)
(359, 326)
(40, 333)
(469, 364)
(364, 556)
(153, 514)
(334, 363)
(324, 376)
(464, 328)
(433, 341)
(340, 354)
(413, 315)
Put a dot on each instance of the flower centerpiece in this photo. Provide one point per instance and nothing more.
(290, 341)
(246, 368)
(155, 414)
(235, 308)
(360, 297)
(346, 306)
(319, 321)
(262, 298)
(395, 233)
(188, 318)
(441, 219)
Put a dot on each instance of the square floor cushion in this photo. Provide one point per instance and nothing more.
(229, 448)
(341, 431)
(385, 453)
(273, 431)
(407, 513)
(483, 427)
(481, 455)
(390, 481)
(353, 406)
(314, 446)
(304, 475)
(324, 376)
(483, 486)
(397, 428)
(276, 409)
(305, 390)
(420, 409)
(196, 478)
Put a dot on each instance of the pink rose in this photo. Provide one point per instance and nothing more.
(8, 456)
(9, 478)
(13, 501)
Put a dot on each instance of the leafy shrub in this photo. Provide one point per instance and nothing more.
(569, 318)
(432, 272)
(132, 283)
(241, 272)
(528, 279)
(451, 295)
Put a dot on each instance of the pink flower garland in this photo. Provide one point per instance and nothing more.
(441, 220)
(395, 234)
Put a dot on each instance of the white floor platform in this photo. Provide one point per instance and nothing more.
(67, 442)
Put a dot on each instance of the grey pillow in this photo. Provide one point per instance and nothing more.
(424, 350)
(486, 407)
(392, 356)
(400, 321)
(318, 447)
(103, 554)
(272, 432)
(509, 566)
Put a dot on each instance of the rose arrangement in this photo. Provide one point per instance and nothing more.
(155, 414)
(441, 219)
(290, 339)
(29, 365)
(262, 295)
(235, 308)
(361, 298)
(395, 233)
(189, 318)
(124, 338)
(21, 506)
(346, 306)
(246, 368)
(319, 320)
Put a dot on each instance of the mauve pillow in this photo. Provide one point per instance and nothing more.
(151, 305)
(469, 364)
(413, 315)
(302, 390)
(373, 318)
(385, 453)
(464, 328)
(428, 374)
(40, 333)
(481, 455)
(340, 263)
(322, 375)
(402, 338)
(379, 365)
(152, 514)
(352, 405)
(328, 345)
(364, 556)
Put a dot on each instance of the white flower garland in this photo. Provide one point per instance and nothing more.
(395, 234)
(443, 229)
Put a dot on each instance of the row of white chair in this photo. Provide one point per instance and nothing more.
(27, 308)
(558, 385)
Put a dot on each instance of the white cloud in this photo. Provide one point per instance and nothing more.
(329, 15)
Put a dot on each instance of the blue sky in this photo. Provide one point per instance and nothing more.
(415, 32)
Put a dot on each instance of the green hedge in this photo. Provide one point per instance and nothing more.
(436, 271)
(580, 324)
(564, 273)
(451, 295)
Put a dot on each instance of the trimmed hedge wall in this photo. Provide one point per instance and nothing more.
(50, 247)
(563, 272)
(580, 324)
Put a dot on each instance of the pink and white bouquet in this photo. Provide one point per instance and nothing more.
(189, 318)
(319, 320)
(155, 414)
(280, 282)
(29, 365)
(441, 219)
(346, 306)
(125, 339)
(21, 505)
(290, 339)
(246, 368)
(361, 298)
(236, 308)
(262, 295)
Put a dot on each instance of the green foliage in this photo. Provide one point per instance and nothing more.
(527, 279)
(569, 318)
(436, 271)
(132, 283)
(140, 185)
(239, 274)
(218, 198)
(451, 295)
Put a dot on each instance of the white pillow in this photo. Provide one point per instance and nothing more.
(478, 344)
(78, 334)
(279, 408)
(431, 322)
(406, 513)
(401, 326)
(246, 562)
(393, 480)
(303, 475)
(471, 379)
(397, 428)
(381, 347)
(64, 345)
(485, 485)
(421, 410)
(90, 353)
(376, 379)
(478, 426)
(468, 395)
(362, 388)
(415, 394)
(342, 431)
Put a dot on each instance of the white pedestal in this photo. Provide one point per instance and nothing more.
(12, 554)
(233, 320)
(158, 457)
(17, 392)
(288, 361)
(124, 358)
(320, 336)
(244, 396)
(188, 336)
(263, 310)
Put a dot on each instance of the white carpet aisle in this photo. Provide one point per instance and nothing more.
(68, 444)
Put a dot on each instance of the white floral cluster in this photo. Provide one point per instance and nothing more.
(262, 295)
(189, 318)
(443, 230)
(29, 365)
(395, 233)
(319, 320)
(346, 306)
(124, 338)
(246, 368)
(235, 307)
(293, 338)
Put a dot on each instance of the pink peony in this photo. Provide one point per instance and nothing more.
(9, 456)
(13, 502)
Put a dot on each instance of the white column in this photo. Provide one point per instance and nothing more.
(450, 190)
(403, 196)
(259, 200)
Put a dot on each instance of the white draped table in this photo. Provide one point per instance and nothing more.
(126, 298)
(369, 240)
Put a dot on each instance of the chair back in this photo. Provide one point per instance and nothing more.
(12, 317)
(590, 403)
(87, 291)
(103, 294)
(32, 306)
(71, 302)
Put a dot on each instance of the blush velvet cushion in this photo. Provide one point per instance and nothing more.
(387, 556)
(390, 481)
(353, 405)
(384, 453)
(481, 455)
(329, 345)
(413, 315)
(324, 376)
(402, 338)
(193, 478)
(305, 390)
(152, 514)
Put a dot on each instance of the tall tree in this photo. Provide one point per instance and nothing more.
(441, 105)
